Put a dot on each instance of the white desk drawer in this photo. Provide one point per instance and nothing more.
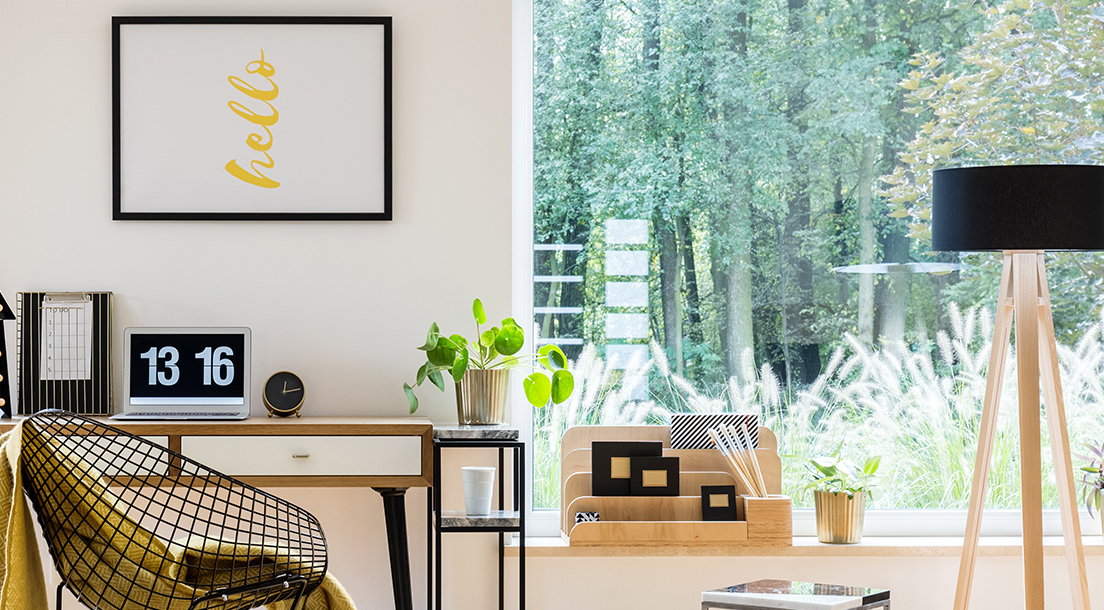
(317, 455)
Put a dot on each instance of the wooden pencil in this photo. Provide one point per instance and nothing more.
(736, 468)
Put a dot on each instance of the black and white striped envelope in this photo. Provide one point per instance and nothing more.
(688, 430)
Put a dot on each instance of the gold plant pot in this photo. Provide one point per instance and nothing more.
(481, 397)
(839, 518)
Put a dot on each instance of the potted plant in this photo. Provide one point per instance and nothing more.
(480, 369)
(1092, 482)
(840, 489)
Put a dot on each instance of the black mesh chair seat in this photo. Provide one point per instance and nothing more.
(132, 525)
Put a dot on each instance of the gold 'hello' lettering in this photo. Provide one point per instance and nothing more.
(255, 141)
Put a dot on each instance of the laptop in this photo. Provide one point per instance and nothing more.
(185, 373)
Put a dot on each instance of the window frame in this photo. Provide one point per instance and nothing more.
(546, 522)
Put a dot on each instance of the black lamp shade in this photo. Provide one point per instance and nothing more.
(1018, 207)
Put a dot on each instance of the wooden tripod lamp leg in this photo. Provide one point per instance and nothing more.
(1059, 447)
(1031, 477)
(1002, 328)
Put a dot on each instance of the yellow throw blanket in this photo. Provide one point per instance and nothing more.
(157, 574)
(22, 584)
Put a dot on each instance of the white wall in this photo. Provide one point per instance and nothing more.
(915, 583)
(341, 304)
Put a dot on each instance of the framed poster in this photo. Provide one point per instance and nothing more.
(252, 118)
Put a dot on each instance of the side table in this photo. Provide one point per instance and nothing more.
(500, 521)
(793, 595)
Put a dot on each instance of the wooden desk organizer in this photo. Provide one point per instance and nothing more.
(672, 520)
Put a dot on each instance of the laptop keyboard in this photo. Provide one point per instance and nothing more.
(181, 415)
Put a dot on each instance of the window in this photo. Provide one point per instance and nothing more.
(729, 212)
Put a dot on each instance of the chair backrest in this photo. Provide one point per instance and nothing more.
(131, 524)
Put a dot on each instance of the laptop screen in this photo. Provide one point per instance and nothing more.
(186, 367)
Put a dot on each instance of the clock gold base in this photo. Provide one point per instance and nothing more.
(278, 413)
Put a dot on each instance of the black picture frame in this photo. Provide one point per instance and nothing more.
(611, 466)
(654, 476)
(379, 208)
(718, 503)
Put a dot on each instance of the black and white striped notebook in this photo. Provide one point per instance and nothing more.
(688, 430)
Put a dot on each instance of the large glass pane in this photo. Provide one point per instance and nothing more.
(731, 213)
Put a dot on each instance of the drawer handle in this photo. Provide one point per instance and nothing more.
(300, 455)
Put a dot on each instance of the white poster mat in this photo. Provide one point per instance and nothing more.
(179, 132)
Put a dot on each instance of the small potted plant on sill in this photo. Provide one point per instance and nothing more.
(1092, 481)
(481, 369)
(840, 489)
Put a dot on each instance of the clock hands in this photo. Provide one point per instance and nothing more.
(281, 398)
(287, 391)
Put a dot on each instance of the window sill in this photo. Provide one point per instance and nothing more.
(808, 546)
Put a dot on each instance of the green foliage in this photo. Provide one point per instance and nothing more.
(1092, 481)
(742, 126)
(1075, 288)
(837, 475)
(1031, 90)
(921, 413)
(494, 348)
(755, 130)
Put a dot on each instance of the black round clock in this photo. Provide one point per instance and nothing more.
(283, 394)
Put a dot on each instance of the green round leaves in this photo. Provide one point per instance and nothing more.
(460, 366)
(443, 354)
(538, 389)
(493, 348)
(478, 312)
(510, 340)
(552, 357)
(410, 397)
(563, 383)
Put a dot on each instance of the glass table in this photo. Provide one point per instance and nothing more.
(794, 595)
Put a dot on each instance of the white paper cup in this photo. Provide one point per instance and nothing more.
(478, 489)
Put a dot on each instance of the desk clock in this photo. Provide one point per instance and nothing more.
(283, 394)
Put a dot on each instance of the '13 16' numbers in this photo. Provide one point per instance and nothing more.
(217, 367)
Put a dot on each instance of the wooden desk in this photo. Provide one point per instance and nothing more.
(388, 454)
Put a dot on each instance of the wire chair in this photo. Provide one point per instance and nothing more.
(132, 525)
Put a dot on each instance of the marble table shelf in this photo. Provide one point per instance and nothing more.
(497, 519)
(499, 432)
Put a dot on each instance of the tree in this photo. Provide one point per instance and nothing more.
(1030, 90)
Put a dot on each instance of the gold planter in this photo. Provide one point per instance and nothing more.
(839, 518)
(481, 397)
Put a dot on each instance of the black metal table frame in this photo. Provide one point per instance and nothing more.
(434, 516)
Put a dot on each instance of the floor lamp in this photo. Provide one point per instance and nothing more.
(1023, 210)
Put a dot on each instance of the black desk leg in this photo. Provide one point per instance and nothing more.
(429, 547)
(501, 549)
(519, 491)
(394, 511)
